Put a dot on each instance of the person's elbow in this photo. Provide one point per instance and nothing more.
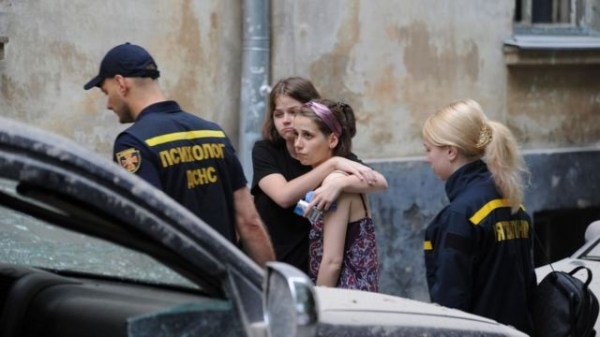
(332, 263)
(249, 222)
(382, 184)
(246, 215)
(276, 189)
(284, 201)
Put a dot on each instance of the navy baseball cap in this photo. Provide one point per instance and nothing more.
(127, 60)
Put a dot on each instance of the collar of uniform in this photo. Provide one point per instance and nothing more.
(459, 180)
(161, 107)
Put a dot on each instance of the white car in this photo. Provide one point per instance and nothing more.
(88, 249)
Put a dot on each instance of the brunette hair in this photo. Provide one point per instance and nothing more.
(464, 125)
(297, 88)
(344, 115)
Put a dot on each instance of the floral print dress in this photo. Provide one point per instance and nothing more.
(360, 267)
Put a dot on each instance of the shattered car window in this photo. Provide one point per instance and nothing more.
(27, 241)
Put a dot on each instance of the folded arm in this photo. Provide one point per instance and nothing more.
(287, 193)
(328, 192)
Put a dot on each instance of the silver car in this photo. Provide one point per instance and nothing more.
(88, 249)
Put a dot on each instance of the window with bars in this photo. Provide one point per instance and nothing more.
(561, 12)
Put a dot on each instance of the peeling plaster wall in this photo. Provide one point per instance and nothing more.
(56, 47)
(555, 106)
(395, 62)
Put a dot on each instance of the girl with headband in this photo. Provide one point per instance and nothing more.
(343, 251)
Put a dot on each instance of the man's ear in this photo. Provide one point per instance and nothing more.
(123, 84)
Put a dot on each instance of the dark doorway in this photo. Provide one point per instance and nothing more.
(561, 232)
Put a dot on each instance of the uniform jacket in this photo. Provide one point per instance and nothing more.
(187, 157)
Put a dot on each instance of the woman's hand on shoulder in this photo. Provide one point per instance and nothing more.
(329, 191)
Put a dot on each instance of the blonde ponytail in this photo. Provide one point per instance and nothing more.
(463, 125)
(506, 164)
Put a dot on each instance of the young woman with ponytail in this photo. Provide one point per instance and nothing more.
(478, 249)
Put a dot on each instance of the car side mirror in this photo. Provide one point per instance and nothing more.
(290, 302)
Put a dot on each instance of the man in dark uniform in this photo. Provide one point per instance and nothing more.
(187, 157)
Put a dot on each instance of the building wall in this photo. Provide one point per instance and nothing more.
(554, 106)
(394, 61)
(55, 47)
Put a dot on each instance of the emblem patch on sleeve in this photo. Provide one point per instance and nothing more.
(130, 159)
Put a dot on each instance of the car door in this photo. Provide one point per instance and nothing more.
(53, 180)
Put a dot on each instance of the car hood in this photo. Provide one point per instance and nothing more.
(342, 307)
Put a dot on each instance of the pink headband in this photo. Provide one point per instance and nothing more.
(326, 116)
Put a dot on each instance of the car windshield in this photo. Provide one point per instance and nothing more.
(28, 241)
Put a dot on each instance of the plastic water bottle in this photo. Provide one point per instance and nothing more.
(314, 214)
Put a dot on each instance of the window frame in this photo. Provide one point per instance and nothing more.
(535, 44)
(575, 25)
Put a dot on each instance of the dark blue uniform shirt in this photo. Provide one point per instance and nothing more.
(478, 254)
(187, 157)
